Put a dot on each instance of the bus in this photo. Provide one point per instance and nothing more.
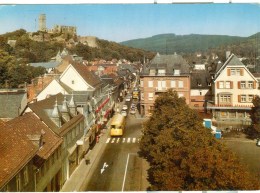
(117, 125)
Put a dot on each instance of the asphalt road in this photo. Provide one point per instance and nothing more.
(119, 167)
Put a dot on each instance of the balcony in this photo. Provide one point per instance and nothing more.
(160, 89)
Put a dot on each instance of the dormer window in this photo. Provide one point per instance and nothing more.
(176, 72)
(161, 72)
(152, 71)
(199, 84)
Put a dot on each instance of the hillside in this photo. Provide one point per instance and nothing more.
(170, 43)
(27, 50)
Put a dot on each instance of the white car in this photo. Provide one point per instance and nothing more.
(128, 98)
(132, 111)
(125, 107)
(124, 113)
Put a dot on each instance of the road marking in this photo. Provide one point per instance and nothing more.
(113, 140)
(108, 139)
(117, 140)
(123, 140)
(125, 172)
(104, 167)
(128, 140)
(134, 140)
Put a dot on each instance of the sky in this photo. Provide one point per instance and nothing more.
(121, 22)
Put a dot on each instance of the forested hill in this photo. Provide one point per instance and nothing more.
(170, 43)
(28, 50)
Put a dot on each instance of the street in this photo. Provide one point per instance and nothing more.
(119, 167)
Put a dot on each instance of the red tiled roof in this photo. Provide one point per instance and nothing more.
(87, 75)
(16, 151)
(29, 124)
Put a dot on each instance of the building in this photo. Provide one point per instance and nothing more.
(42, 23)
(47, 161)
(62, 117)
(200, 92)
(16, 161)
(233, 89)
(162, 73)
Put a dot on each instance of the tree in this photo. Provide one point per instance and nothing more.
(184, 155)
(253, 131)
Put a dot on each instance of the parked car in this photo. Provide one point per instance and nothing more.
(124, 113)
(133, 105)
(128, 98)
(124, 107)
(132, 111)
(258, 142)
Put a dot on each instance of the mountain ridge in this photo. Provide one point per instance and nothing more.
(169, 43)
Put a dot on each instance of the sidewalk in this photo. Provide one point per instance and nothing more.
(76, 181)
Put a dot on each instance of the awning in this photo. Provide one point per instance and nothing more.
(102, 105)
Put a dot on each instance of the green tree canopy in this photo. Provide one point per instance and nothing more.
(253, 130)
(184, 155)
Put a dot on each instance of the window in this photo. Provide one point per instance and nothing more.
(150, 96)
(151, 109)
(225, 99)
(223, 114)
(235, 72)
(141, 83)
(243, 98)
(176, 72)
(150, 83)
(243, 84)
(180, 94)
(18, 182)
(161, 84)
(161, 72)
(180, 84)
(221, 84)
(25, 175)
(228, 84)
(250, 84)
(142, 96)
(250, 98)
(152, 71)
(72, 82)
(173, 84)
(200, 93)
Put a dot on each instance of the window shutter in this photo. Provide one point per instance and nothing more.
(239, 98)
(254, 85)
(241, 72)
(238, 85)
(228, 71)
(231, 84)
(218, 84)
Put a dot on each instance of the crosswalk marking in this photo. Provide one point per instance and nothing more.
(113, 140)
(123, 140)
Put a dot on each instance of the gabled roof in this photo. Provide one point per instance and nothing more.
(44, 108)
(29, 124)
(233, 60)
(16, 151)
(90, 77)
(39, 106)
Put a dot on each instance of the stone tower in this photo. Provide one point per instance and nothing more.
(42, 22)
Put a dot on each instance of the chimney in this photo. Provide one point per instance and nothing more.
(228, 53)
